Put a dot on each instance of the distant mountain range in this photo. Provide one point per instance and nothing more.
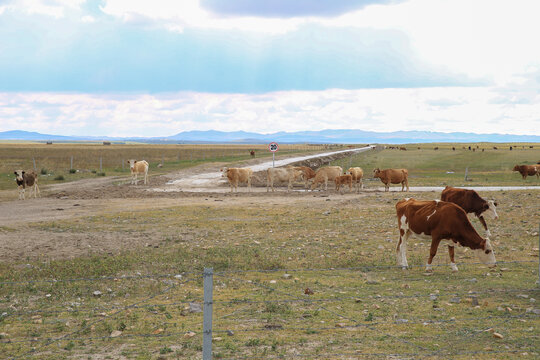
(345, 136)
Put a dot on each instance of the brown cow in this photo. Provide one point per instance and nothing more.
(357, 176)
(471, 202)
(288, 174)
(25, 179)
(529, 170)
(440, 221)
(307, 173)
(236, 175)
(325, 174)
(392, 176)
(343, 180)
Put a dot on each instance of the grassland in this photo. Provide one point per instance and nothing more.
(266, 250)
(89, 160)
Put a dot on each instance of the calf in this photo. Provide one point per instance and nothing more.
(471, 202)
(357, 175)
(440, 221)
(25, 179)
(307, 173)
(392, 176)
(527, 170)
(138, 167)
(288, 175)
(325, 174)
(343, 180)
(238, 175)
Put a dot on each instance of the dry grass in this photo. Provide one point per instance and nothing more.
(370, 309)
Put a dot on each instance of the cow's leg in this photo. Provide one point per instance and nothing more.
(36, 189)
(483, 221)
(432, 253)
(407, 184)
(453, 265)
(21, 192)
(401, 251)
(145, 178)
(386, 187)
(325, 184)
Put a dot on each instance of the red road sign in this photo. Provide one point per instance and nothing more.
(273, 146)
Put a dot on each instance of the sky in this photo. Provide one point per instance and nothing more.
(160, 67)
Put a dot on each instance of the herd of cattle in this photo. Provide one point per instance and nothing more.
(442, 220)
(353, 176)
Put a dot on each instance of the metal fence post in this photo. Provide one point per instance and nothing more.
(34, 161)
(208, 276)
(71, 163)
(538, 282)
(466, 173)
(100, 164)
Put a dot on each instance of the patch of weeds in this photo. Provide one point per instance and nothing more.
(94, 171)
(165, 350)
(122, 326)
(43, 171)
(369, 317)
(253, 342)
(100, 174)
(59, 178)
(70, 345)
(277, 308)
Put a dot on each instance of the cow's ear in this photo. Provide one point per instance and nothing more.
(15, 172)
(495, 203)
(23, 172)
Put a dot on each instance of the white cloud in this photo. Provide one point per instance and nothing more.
(53, 8)
(434, 109)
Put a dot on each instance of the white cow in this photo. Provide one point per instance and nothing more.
(138, 167)
(288, 174)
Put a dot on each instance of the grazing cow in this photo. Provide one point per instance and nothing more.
(471, 202)
(392, 176)
(357, 176)
(252, 153)
(288, 174)
(453, 148)
(138, 167)
(307, 173)
(494, 148)
(325, 174)
(238, 175)
(436, 148)
(25, 179)
(343, 180)
(527, 170)
(442, 221)
(403, 148)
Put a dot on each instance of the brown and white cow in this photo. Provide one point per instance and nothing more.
(357, 176)
(392, 176)
(325, 174)
(471, 202)
(238, 175)
(343, 180)
(527, 170)
(25, 179)
(138, 167)
(288, 174)
(440, 221)
(307, 173)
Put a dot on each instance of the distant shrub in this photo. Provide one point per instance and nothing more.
(59, 177)
(101, 174)
(94, 171)
(72, 171)
(43, 171)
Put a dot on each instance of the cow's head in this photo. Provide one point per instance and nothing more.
(223, 172)
(376, 172)
(490, 209)
(516, 168)
(485, 253)
(19, 174)
(132, 163)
